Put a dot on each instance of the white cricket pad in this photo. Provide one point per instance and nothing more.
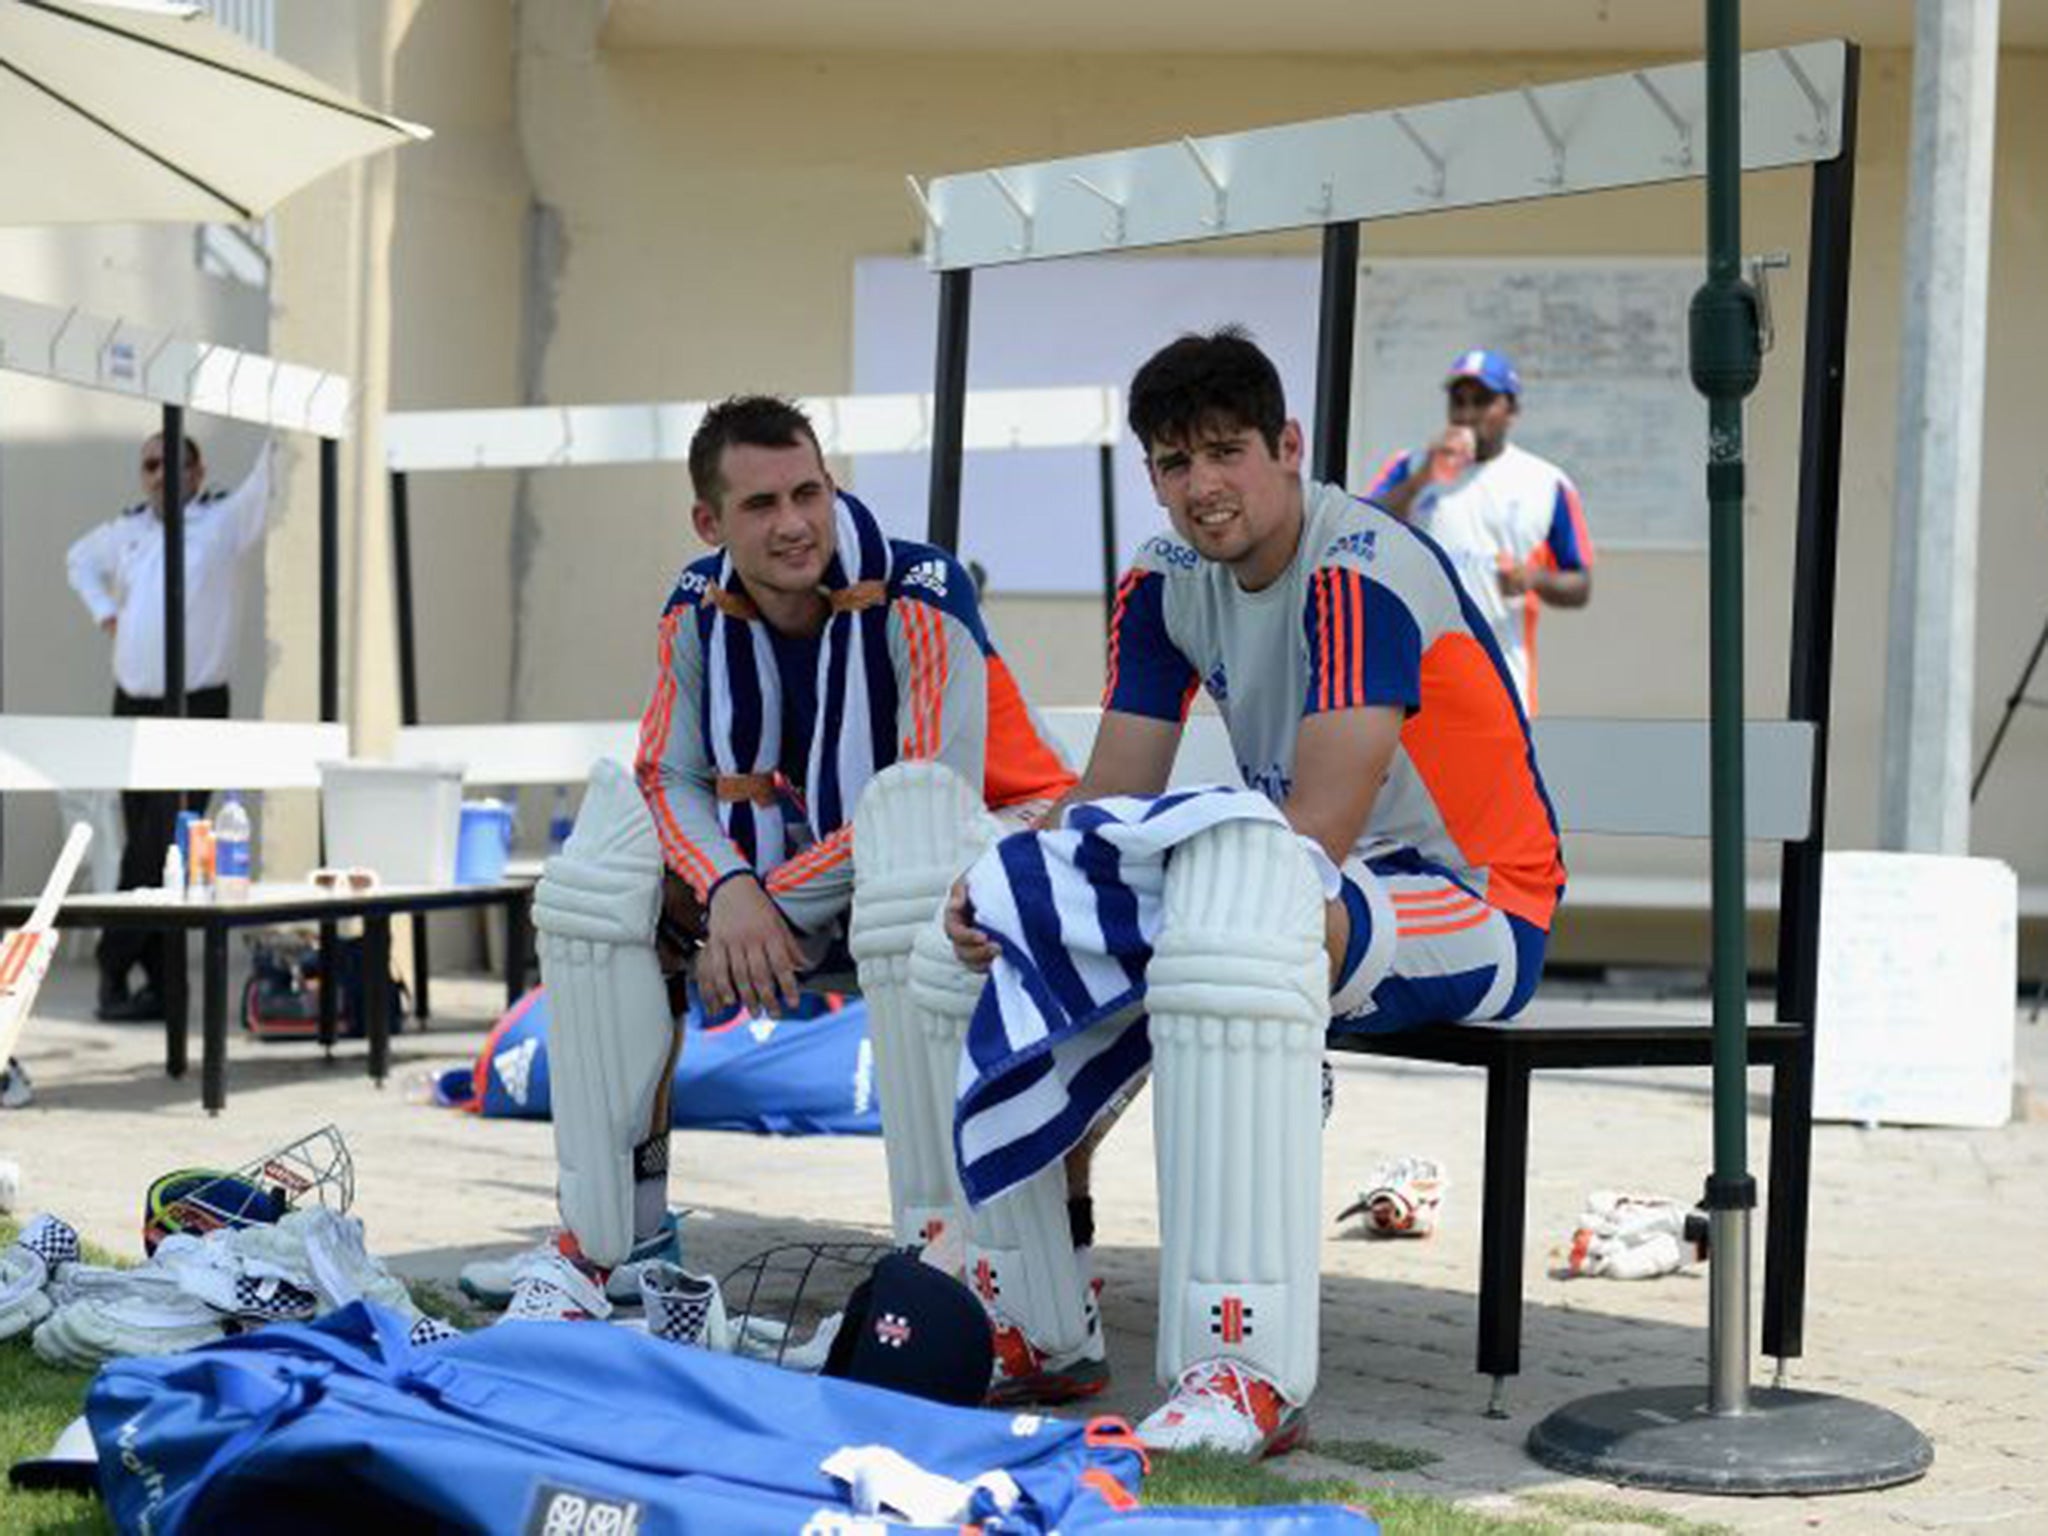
(608, 1046)
(1238, 992)
(1021, 1261)
(1019, 1253)
(917, 827)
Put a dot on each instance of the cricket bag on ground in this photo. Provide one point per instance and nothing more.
(344, 1426)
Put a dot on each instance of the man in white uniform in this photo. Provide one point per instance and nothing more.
(117, 570)
(1510, 521)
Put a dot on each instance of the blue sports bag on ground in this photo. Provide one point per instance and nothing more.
(578, 1430)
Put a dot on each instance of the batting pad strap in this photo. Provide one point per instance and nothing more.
(1237, 1030)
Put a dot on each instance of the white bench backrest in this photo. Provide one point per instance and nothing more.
(1633, 777)
(54, 752)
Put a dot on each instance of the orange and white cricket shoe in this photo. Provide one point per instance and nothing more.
(1225, 1405)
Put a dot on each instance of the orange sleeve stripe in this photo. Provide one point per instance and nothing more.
(1323, 623)
(924, 636)
(813, 861)
(1453, 925)
(683, 856)
(1357, 619)
(1124, 589)
(1413, 898)
(1452, 900)
(906, 618)
(794, 881)
(943, 656)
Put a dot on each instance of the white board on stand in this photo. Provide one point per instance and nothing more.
(1600, 344)
(1918, 964)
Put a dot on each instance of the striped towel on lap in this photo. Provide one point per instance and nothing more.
(1059, 1030)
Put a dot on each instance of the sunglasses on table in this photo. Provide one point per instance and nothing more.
(344, 882)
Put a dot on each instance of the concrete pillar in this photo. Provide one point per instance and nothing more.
(331, 288)
(1924, 787)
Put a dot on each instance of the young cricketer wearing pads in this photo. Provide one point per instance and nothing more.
(1365, 697)
(1511, 522)
(802, 667)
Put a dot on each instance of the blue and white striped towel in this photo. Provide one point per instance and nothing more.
(1058, 1033)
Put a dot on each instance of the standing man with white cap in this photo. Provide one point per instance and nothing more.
(1510, 520)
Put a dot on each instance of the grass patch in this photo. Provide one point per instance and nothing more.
(1373, 1455)
(1200, 1477)
(1205, 1477)
(450, 1306)
(39, 1400)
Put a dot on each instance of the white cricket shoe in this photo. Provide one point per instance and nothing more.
(489, 1282)
(550, 1288)
(1225, 1405)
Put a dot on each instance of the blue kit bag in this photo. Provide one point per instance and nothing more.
(810, 1073)
(574, 1430)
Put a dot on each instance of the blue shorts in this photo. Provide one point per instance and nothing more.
(1425, 948)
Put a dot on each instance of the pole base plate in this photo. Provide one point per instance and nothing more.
(1786, 1443)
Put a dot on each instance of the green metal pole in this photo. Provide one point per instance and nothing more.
(1726, 363)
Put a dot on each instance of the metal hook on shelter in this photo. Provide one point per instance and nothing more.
(202, 353)
(1679, 125)
(235, 373)
(1550, 137)
(57, 336)
(933, 228)
(1115, 232)
(1822, 128)
(1217, 187)
(1009, 195)
(1437, 164)
(312, 396)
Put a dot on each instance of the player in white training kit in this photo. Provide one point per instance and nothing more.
(1364, 696)
(832, 733)
(1511, 521)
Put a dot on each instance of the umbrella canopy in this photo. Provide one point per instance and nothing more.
(151, 112)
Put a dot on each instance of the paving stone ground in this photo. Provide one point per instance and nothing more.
(1928, 1284)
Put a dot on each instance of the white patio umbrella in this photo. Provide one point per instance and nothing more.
(148, 112)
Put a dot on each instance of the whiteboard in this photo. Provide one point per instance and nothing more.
(1918, 970)
(1601, 347)
(1032, 518)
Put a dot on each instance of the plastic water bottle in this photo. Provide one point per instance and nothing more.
(231, 851)
(174, 873)
(560, 821)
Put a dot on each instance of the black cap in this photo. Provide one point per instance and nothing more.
(912, 1328)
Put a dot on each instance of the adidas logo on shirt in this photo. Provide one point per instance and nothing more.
(929, 574)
